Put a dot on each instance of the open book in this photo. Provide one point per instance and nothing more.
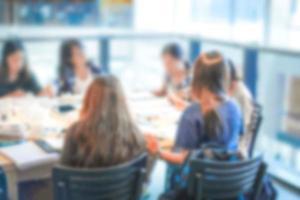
(27, 155)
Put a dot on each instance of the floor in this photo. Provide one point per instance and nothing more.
(286, 193)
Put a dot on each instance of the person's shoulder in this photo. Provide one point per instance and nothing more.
(243, 90)
(192, 111)
(28, 76)
(73, 129)
(94, 68)
(232, 106)
(2, 77)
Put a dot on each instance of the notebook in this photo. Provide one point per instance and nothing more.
(28, 154)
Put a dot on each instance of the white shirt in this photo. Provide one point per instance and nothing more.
(81, 85)
(244, 98)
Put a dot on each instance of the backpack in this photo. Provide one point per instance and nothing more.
(212, 152)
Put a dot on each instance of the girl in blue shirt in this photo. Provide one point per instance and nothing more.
(212, 118)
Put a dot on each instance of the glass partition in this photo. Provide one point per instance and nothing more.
(278, 92)
(137, 62)
(295, 13)
(240, 20)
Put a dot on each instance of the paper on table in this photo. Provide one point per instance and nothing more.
(28, 155)
(12, 131)
(55, 143)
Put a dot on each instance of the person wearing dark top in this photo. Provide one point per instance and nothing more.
(15, 78)
(75, 72)
(212, 118)
(177, 76)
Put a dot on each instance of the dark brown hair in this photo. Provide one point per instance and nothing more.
(10, 47)
(209, 73)
(177, 52)
(105, 134)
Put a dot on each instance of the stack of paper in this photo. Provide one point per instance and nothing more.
(27, 155)
(55, 143)
(12, 132)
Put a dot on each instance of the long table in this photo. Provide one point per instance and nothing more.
(39, 118)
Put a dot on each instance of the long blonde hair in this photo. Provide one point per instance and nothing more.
(106, 133)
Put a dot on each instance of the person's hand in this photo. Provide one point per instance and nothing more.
(175, 100)
(152, 144)
(48, 91)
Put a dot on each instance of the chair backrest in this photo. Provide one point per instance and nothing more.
(122, 182)
(3, 185)
(256, 121)
(225, 180)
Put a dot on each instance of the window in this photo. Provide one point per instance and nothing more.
(211, 10)
(70, 12)
(230, 19)
(295, 14)
(227, 10)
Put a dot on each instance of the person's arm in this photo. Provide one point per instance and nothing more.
(15, 94)
(47, 92)
(162, 91)
(32, 85)
(174, 157)
(186, 139)
(177, 101)
(154, 148)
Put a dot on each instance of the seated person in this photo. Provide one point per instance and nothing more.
(105, 134)
(16, 80)
(212, 118)
(75, 72)
(239, 91)
(177, 79)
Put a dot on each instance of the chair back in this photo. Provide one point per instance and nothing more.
(122, 182)
(225, 180)
(256, 121)
(3, 186)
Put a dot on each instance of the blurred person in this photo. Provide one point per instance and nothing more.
(177, 79)
(212, 119)
(105, 135)
(239, 91)
(75, 72)
(16, 80)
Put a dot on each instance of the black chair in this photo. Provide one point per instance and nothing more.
(122, 182)
(225, 180)
(3, 185)
(256, 121)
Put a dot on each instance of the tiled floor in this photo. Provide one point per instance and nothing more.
(157, 185)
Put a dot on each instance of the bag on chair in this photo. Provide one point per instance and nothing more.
(211, 152)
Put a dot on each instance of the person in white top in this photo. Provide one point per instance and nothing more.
(176, 83)
(239, 91)
(75, 72)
